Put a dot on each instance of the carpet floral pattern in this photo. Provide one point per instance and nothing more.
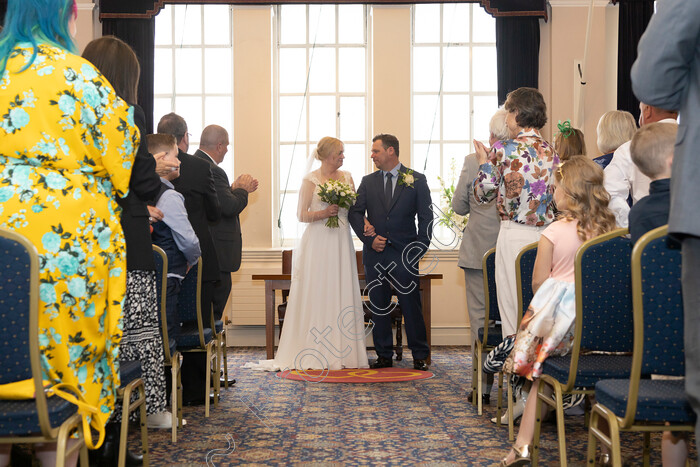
(265, 420)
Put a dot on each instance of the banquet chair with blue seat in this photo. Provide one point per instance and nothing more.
(194, 336)
(602, 343)
(641, 403)
(170, 360)
(41, 419)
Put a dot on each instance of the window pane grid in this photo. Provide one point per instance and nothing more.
(185, 49)
(450, 41)
(323, 92)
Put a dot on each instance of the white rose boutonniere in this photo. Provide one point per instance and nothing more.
(406, 178)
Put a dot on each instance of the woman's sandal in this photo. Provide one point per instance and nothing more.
(522, 457)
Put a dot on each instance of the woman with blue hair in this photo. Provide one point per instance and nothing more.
(68, 144)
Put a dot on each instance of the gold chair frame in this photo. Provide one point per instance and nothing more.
(568, 388)
(73, 424)
(127, 407)
(627, 423)
(221, 351)
(210, 348)
(173, 361)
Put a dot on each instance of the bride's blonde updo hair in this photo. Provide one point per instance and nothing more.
(327, 146)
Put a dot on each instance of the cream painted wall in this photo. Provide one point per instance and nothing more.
(562, 42)
(562, 45)
(88, 25)
(391, 73)
(252, 116)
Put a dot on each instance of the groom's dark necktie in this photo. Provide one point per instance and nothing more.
(388, 190)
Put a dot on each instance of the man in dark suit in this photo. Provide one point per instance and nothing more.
(196, 184)
(667, 75)
(233, 198)
(392, 198)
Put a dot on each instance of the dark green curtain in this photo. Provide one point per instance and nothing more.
(140, 35)
(518, 53)
(634, 17)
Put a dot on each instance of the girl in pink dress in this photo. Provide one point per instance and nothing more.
(548, 324)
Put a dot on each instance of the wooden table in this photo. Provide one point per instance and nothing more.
(275, 282)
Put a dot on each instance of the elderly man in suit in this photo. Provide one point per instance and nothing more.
(393, 197)
(479, 235)
(667, 75)
(233, 198)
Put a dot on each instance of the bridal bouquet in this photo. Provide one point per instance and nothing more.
(336, 192)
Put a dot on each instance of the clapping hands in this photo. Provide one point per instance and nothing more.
(482, 152)
(246, 182)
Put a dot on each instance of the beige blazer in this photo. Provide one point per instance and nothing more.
(481, 231)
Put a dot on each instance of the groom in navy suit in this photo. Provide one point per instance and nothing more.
(392, 198)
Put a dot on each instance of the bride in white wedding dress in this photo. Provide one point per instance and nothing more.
(324, 323)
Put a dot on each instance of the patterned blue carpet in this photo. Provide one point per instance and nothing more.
(265, 420)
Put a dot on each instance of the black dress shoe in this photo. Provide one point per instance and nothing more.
(381, 362)
(222, 382)
(420, 365)
(485, 398)
(133, 460)
(194, 402)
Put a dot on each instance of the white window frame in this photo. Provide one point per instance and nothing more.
(442, 236)
(227, 164)
(470, 93)
(287, 236)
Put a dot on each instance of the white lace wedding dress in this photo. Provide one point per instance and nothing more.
(324, 324)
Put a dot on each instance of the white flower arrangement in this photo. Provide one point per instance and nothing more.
(336, 192)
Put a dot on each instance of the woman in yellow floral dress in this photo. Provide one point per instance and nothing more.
(66, 149)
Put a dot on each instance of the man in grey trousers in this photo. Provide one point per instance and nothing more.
(667, 75)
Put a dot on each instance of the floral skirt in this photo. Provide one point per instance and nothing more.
(546, 329)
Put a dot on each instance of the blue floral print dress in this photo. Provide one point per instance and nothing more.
(67, 144)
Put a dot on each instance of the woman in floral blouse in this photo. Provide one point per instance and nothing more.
(518, 173)
(68, 145)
